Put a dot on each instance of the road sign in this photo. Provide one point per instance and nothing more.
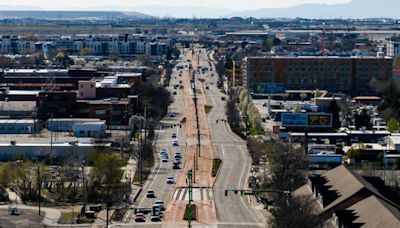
(269, 88)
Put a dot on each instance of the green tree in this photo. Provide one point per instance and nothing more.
(393, 125)
(63, 59)
(267, 45)
(86, 51)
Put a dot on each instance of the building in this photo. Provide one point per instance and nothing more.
(341, 194)
(65, 125)
(57, 150)
(392, 48)
(89, 129)
(13, 126)
(237, 79)
(351, 75)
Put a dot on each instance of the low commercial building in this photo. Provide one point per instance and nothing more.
(59, 150)
(12, 126)
(65, 125)
(89, 129)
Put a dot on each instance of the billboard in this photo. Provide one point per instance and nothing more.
(294, 119)
(269, 88)
(319, 120)
(316, 120)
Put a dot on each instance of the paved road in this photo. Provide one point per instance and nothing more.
(157, 181)
(233, 210)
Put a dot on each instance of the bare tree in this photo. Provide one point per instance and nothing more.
(296, 212)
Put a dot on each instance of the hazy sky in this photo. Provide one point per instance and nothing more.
(228, 4)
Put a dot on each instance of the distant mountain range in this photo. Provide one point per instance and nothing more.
(44, 14)
(354, 9)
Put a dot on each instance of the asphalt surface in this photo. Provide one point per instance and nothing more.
(233, 210)
(157, 180)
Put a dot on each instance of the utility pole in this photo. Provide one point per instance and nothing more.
(107, 205)
(84, 188)
(51, 142)
(39, 187)
(190, 189)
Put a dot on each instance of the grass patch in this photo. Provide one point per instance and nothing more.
(68, 217)
(208, 108)
(190, 214)
(216, 163)
(145, 174)
(118, 214)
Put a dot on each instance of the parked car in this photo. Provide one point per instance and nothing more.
(173, 135)
(175, 143)
(140, 217)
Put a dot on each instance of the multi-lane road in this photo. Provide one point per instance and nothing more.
(232, 210)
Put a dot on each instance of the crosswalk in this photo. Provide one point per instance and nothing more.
(198, 194)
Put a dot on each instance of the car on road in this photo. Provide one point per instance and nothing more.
(175, 143)
(163, 150)
(150, 194)
(176, 165)
(177, 160)
(171, 115)
(160, 203)
(170, 180)
(178, 154)
(142, 210)
(173, 135)
(164, 159)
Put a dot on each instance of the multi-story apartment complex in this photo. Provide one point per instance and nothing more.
(392, 48)
(135, 44)
(336, 74)
(16, 45)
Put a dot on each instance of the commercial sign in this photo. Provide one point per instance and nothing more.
(306, 120)
(269, 88)
(320, 120)
(294, 119)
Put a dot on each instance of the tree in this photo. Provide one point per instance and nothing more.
(296, 212)
(105, 178)
(334, 109)
(276, 42)
(113, 57)
(136, 123)
(393, 125)
(288, 166)
(266, 45)
(86, 51)
(6, 62)
(363, 119)
(63, 59)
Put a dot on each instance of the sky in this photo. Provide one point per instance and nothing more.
(236, 5)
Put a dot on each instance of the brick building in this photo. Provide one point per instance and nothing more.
(335, 74)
